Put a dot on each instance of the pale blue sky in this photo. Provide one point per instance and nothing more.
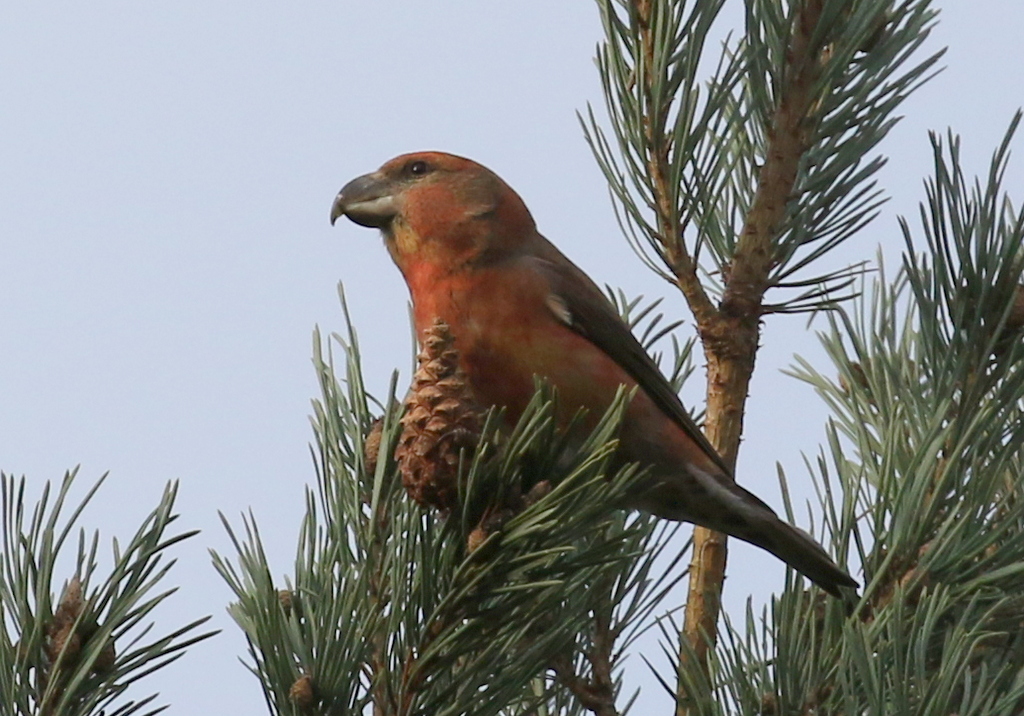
(166, 173)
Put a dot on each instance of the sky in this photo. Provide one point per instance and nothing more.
(166, 175)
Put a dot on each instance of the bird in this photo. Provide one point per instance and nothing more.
(471, 255)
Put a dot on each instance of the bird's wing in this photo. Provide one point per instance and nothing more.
(579, 304)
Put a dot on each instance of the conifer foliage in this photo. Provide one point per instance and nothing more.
(408, 608)
(79, 651)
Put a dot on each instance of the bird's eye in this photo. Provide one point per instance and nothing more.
(418, 168)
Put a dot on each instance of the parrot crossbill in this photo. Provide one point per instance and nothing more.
(471, 255)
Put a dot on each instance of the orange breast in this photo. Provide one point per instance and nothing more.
(506, 335)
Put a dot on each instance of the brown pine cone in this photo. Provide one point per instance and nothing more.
(104, 663)
(301, 693)
(1014, 325)
(60, 630)
(441, 419)
(495, 518)
(1015, 321)
(371, 446)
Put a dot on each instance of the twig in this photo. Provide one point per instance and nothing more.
(730, 334)
(678, 258)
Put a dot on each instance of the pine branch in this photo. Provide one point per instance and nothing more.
(81, 655)
(730, 343)
(768, 168)
(491, 602)
(927, 448)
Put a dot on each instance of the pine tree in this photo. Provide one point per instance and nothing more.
(736, 188)
(79, 651)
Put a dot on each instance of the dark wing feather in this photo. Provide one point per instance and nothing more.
(579, 303)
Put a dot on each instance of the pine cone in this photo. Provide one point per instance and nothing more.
(371, 446)
(441, 419)
(63, 635)
(106, 660)
(301, 693)
(496, 517)
(60, 631)
(1014, 325)
(1015, 321)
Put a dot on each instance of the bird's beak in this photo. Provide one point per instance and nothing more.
(368, 200)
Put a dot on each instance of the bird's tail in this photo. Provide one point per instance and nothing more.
(716, 501)
(751, 520)
(799, 550)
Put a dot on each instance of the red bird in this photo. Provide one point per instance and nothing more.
(471, 255)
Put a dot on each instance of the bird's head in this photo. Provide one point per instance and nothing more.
(437, 208)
